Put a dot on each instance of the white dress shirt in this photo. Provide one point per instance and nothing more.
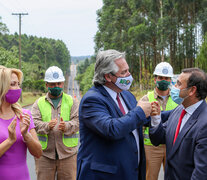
(189, 111)
(155, 120)
(113, 94)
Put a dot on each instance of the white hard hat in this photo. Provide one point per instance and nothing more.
(54, 74)
(164, 69)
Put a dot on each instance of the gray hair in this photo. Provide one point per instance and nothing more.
(105, 63)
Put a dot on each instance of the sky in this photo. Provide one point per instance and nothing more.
(72, 21)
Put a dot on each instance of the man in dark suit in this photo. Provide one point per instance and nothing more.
(111, 141)
(185, 137)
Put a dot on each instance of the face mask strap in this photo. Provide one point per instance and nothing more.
(185, 88)
(113, 74)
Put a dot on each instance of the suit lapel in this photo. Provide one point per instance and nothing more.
(188, 125)
(172, 127)
(128, 104)
(109, 98)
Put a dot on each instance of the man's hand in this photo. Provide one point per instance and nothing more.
(146, 107)
(52, 123)
(62, 125)
(155, 108)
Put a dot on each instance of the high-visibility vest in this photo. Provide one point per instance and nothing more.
(46, 112)
(169, 106)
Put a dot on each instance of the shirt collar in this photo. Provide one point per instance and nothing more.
(190, 110)
(156, 95)
(111, 92)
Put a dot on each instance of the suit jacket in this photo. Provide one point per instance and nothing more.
(187, 158)
(108, 149)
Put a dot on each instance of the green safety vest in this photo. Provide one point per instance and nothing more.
(169, 106)
(46, 112)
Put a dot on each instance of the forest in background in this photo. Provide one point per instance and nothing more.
(151, 31)
(148, 31)
(37, 54)
(78, 59)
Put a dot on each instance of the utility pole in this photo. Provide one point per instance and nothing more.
(20, 16)
(45, 60)
(20, 61)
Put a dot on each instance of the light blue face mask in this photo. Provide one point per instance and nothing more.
(175, 95)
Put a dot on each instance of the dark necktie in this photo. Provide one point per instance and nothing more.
(179, 124)
(120, 105)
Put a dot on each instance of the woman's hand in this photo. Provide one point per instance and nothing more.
(24, 123)
(12, 131)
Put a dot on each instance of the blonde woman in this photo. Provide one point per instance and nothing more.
(17, 131)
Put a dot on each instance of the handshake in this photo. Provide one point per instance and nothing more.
(150, 109)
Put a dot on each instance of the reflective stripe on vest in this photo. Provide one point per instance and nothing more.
(169, 106)
(46, 112)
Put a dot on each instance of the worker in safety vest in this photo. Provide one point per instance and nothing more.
(155, 156)
(56, 120)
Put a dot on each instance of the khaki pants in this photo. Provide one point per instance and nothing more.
(46, 169)
(155, 156)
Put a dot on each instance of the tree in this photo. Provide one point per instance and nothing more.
(150, 31)
(9, 58)
(3, 27)
(37, 55)
(201, 60)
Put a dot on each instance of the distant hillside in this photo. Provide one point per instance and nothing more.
(77, 59)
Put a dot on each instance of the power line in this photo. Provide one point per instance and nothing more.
(6, 10)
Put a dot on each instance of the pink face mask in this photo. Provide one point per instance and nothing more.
(13, 95)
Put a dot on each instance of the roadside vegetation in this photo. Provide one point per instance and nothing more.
(85, 76)
(37, 54)
(149, 32)
(28, 98)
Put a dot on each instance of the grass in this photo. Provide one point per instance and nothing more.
(29, 98)
(138, 93)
